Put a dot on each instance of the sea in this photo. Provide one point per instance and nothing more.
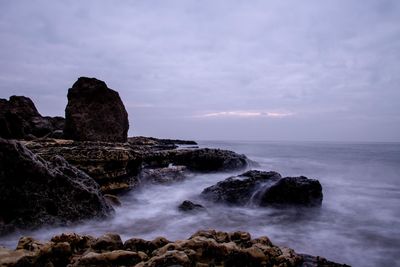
(357, 224)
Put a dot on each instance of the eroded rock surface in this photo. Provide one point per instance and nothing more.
(204, 248)
(118, 167)
(34, 192)
(95, 113)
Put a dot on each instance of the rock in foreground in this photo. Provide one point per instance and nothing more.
(35, 192)
(95, 113)
(204, 248)
(264, 189)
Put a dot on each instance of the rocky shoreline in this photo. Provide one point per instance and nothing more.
(55, 171)
(203, 248)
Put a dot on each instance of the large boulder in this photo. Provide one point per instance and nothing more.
(19, 119)
(95, 113)
(293, 191)
(239, 189)
(265, 189)
(35, 192)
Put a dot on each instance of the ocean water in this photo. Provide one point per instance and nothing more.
(358, 222)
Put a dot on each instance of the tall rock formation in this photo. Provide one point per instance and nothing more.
(95, 113)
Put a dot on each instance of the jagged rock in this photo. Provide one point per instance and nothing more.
(113, 166)
(204, 248)
(107, 242)
(19, 119)
(239, 189)
(293, 191)
(95, 113)
(265, 188)
(166, 175)
(35, 192)
(118, 167)
(189, 206)
(138, 244)
(77, 242)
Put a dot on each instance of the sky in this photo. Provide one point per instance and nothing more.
(275, 70)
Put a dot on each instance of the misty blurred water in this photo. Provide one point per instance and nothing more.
(358, 222)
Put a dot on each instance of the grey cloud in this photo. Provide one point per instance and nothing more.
(332, 63)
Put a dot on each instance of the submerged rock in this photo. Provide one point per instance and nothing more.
(189, 206)
(19, 119)
(34, 192)
(95, 113)
(204, 248)
(293, 191)
(239, 189)
(265, 188)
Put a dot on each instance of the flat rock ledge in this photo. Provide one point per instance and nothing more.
(204, 248)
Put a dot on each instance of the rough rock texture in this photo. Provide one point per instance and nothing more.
(265, 188)
(204, 248)
(19, 119)
(199, 160)
(189, 206)
(118, 167)
(142, 140)
(165, 175)
(35, 192)
(293, 190)
(112, 165)
(239, 189)
(95, 113)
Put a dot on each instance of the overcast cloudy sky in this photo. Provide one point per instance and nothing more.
(215, 69)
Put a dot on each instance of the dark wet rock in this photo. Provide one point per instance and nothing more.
(265, 188)
(95, 113)
(189, 206)
(204, 248)
(166, 175)
(34, 192)
(239, 189)
(293, 191)
(112, 199)
(19, 119)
